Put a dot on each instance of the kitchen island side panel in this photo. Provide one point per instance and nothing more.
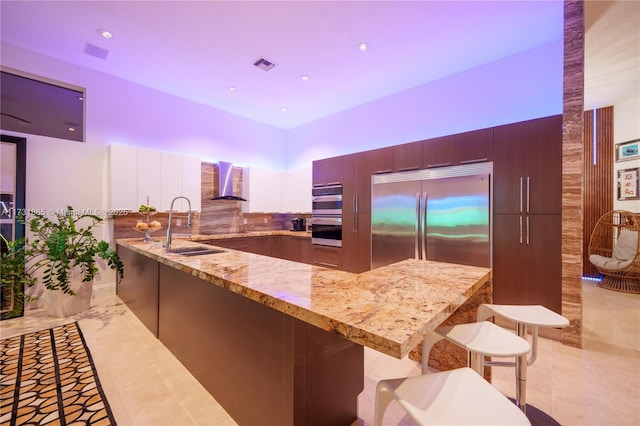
(138, 289)
(263, 366)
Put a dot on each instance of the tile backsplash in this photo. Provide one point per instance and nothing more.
(216, 217)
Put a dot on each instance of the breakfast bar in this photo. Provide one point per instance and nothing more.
(282, 342)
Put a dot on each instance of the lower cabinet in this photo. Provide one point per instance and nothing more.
(356, 242)
(241, 244)
(138, 289)
(327, 256)
(297, 249)
(263, 366)
(527, 260)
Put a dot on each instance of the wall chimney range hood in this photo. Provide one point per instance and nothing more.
(226, 183)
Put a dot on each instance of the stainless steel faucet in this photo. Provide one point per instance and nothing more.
(167, 246)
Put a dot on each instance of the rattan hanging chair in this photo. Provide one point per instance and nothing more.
(614, 249)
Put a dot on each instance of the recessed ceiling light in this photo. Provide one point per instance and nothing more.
(105, 33)
(363, 47)
(233, 89)
(283, 109)
(304, 77)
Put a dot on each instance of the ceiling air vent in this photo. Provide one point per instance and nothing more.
(96, 51)
(264, 64)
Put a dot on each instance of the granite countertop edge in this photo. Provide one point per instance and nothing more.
(390, 309)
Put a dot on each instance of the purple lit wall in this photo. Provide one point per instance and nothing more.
(125, 113)
(520, 87)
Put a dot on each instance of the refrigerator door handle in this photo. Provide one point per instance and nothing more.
(417, 233)
(423, 224)
(528, 230)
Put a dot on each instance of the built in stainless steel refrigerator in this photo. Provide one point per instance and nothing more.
(434, 214)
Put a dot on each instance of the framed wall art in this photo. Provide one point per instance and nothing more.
(628, 150)
(628, 184)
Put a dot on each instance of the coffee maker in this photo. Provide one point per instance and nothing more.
(299, 224)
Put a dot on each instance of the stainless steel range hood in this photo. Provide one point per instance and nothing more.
(226, 183)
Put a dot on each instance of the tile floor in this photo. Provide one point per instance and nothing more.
(146, 385)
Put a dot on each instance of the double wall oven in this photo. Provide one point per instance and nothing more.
(326, 221)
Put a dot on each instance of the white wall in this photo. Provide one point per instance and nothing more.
(518, 88)
(62, 172)
(626, 127)
(125, 113)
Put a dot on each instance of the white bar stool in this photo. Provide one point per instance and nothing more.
(534, 316)
(480, 339)
(454, 397)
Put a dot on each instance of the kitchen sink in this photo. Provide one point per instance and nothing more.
(195, 251)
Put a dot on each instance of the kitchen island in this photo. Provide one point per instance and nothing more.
(281, 342)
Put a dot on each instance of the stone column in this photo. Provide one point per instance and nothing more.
(572, 168)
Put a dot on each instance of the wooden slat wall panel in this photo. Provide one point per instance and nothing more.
(598, 175)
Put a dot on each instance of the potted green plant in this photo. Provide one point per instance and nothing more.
(14, 277)
(63, 253)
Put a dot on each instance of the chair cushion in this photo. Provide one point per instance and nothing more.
(609, 263)
(626, 247)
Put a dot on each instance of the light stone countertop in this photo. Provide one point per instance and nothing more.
(389, 309)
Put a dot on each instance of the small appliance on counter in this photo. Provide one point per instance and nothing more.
(299, 224)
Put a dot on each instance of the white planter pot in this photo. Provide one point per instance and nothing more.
(62, 305)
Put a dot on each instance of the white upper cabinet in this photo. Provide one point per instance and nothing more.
(297, 191)
(137, 173)
(191, 182)
(256, 189)
(149, 178)
(123, 176)
(170, 181)
(269, 191)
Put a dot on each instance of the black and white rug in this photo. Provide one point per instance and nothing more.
(48, 378)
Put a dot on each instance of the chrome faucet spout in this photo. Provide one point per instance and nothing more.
(167, 246)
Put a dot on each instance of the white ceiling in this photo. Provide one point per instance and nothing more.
(198, 49)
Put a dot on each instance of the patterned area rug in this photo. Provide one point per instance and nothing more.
(48, 378)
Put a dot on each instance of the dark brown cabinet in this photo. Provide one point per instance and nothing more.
(241, 244)
(332, 171)
(527, 188)
(473, 147)
(304, 248)
(297, 249)
(527, 167)
(438, 152)
(262, 245)
(328, 257)
(338, 170)
(257, 245)
(356, 242)
(527, 183)
(463, 148)
(138, 289)
(527, 260)
(408, 156)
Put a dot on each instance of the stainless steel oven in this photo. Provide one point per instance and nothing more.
(327, 200)
(326, 220)
(326, 231)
